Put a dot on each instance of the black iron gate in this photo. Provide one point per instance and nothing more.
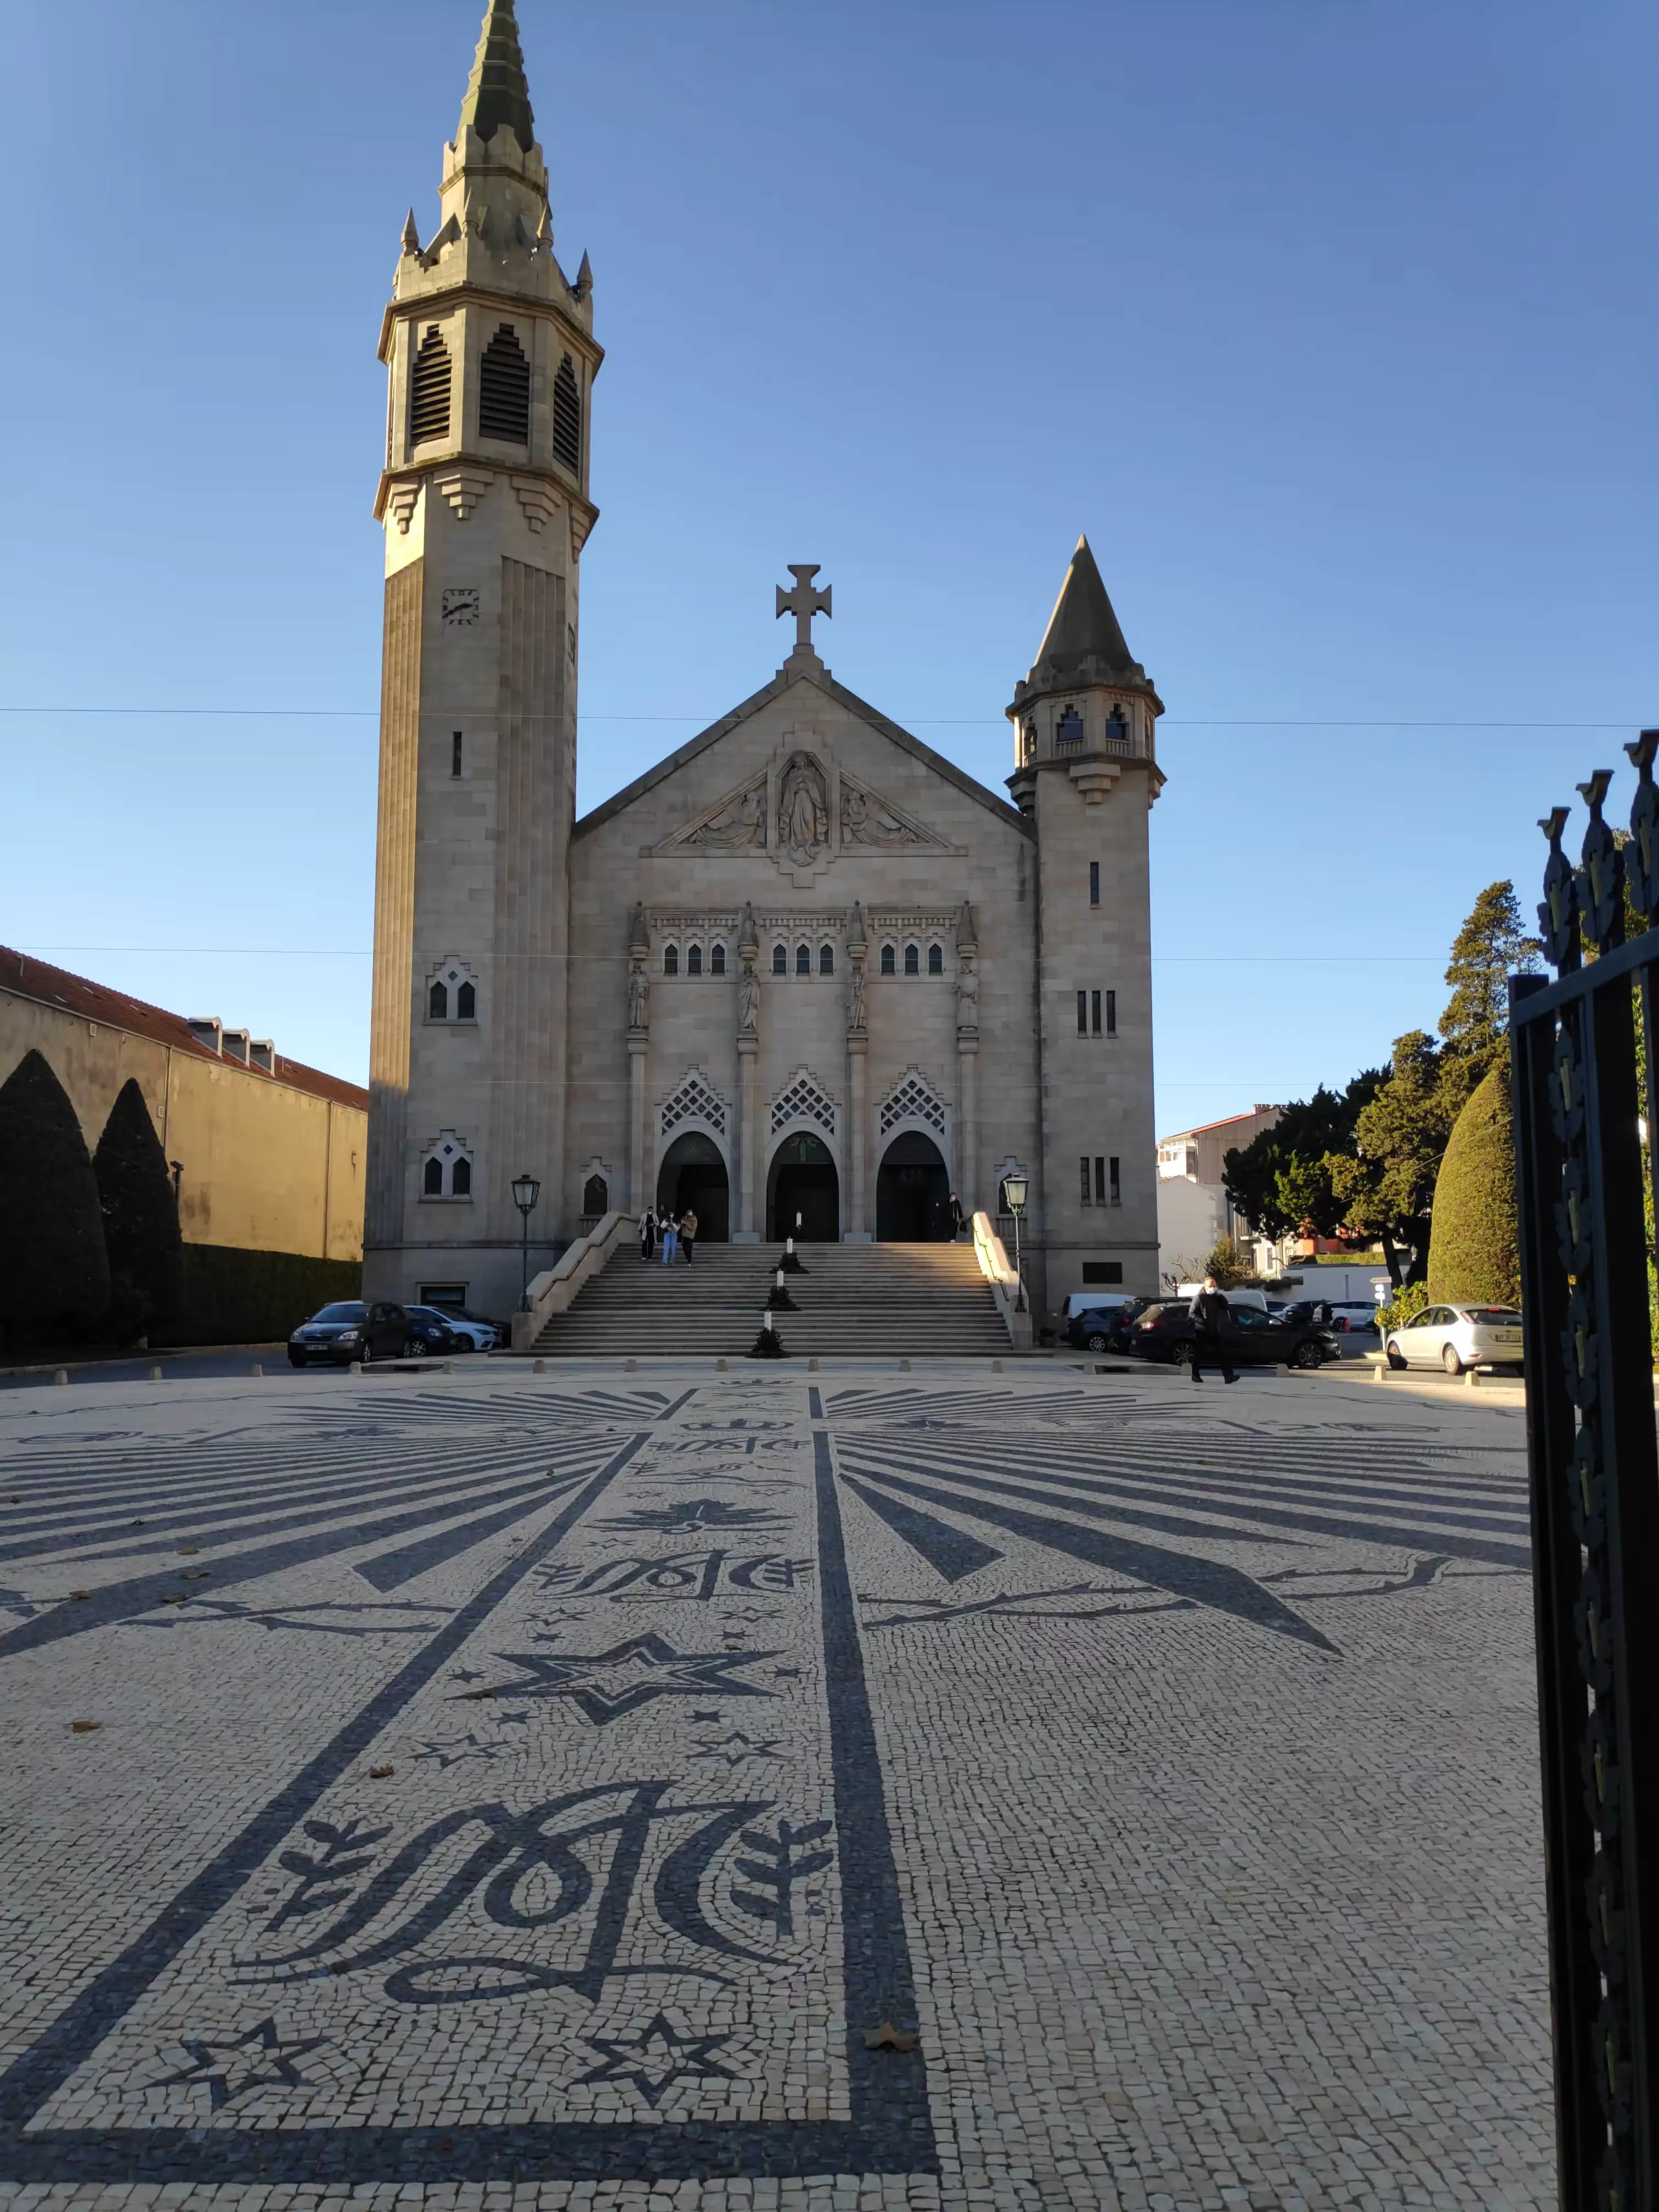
(1585, 1135)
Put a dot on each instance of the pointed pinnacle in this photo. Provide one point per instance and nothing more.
(411, 236)
(496, 92)
(584, 277)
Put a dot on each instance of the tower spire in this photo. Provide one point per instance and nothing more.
(497, 91)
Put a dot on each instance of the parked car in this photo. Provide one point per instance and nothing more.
(1079, 1302)
(473, 1332)
(1457, 1337)
(459, 1334)
(1251, 1337)
(349, 1330)
(1105, 1329)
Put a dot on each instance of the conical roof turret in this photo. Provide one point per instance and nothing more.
(1083, 641)
(497, 91)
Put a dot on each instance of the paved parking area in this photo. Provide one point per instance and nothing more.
(846, 1790)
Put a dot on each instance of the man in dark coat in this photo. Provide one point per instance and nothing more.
(1210, 1313)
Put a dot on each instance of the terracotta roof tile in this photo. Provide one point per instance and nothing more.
(96, 1002)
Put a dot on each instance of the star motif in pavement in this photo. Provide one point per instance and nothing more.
(629, 2058)
(605, 1684)
(449, 1751)
(465, 1674)
(260, 2060)
(753, 1746)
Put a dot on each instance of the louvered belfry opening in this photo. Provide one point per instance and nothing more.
(504, 389)
(429, 390)
(566, 416)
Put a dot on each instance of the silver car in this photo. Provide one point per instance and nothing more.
(1458, 1337)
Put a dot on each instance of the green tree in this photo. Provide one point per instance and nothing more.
(1279, 1181)
(1474, 1252)
(1224, 1262)
(141, 1218)
(1387, 1183)
(55, 1283)
(1490, 946)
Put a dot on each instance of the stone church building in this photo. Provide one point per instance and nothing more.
(805, 966)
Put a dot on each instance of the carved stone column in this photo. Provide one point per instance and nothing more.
(855, 1137)
(745, 1229)
(967, 1059)
(639, 1046)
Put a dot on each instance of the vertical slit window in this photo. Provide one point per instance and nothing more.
(693, 960)
(803, 960)
(1083, 1162)
(1094, 883)
(935, 960)
(913, 960)
(717, 960)
(455, 753)
(780, 960)
(432, 1180)
(567, 417)
(466, 1003)
(460, 1179)
(888, 964)
(429, 390)
(1111, 1013)
(1083, 1014)
(1100, 1179)
(671, 960)
(437, 1004)
(826, 959)
(504, 389)
(1113, 1179)
(1093, 1012)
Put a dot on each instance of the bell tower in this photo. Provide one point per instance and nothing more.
(1086, 771)
(491, 359)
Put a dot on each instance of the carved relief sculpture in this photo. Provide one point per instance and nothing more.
(748, 1001)
(803, 807)
(856, 1017)
(866, 821)
(639, 997)
(967, 992)
(739, 826)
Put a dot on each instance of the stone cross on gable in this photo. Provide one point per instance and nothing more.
(803, 602)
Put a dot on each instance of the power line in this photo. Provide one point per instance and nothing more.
(915, 721)
(367, 953)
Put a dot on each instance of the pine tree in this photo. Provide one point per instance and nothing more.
(1490, 946)
(141, 1218)
(55, 1283)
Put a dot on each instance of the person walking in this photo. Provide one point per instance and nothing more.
(668, 1232)
(955, 1215)
(647, 1238)
(689, 1234)
(1210, 1313)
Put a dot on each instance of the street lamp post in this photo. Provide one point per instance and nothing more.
(1014, 1189)
(526, 1192)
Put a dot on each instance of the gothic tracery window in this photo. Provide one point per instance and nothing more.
(913, 960)
(780, 960)
(803, 960)
(717, 960)
(889, 962)
(826, 959)
(693, 960)
(935, 960)
(671, 960)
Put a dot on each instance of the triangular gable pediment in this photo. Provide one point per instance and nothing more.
(894, 733)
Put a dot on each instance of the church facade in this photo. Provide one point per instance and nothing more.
(806, 968)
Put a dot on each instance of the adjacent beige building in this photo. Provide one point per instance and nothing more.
(268, 1155)
(806, 968)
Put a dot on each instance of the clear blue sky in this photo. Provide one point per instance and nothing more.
(1331, 321)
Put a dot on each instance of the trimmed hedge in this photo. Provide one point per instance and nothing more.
(140, 1220)
(1474, 1248)
(54, 1287)
(234, 1297)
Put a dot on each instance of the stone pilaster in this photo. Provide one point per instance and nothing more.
(749, 1143)
(967, 1119)
(855, 1149)
(639, 1149)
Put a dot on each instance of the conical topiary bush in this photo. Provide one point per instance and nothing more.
(1474, 1248)
(141, 1218)
(55, 1283)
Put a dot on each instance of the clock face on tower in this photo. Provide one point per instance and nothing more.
(460, 606)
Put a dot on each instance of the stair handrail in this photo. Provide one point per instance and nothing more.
(997, 1270)
(554, 1289)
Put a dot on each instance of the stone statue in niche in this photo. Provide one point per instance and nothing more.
(866, 821)
(967, 992)
(803, 807)
(856, 1017)
(739, 826)
(748, 1001)
(639, 997)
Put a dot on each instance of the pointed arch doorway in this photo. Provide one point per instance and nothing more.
(693, 1175)
(802, 1182)
(913, 1189)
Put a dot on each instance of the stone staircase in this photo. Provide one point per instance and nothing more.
(857, 1302)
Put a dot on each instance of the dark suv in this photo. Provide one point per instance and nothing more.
(347, 1330)
(1105, 1329)
(1251, 1338)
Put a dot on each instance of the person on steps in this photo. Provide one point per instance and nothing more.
(689, 1234)
(1210, 1313)
(668, 1232)
(955, 1217)
(647, 1238)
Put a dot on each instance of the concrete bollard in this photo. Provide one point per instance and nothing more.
(1472, 1380)
(62, 1375)
(812, 1367)
(539, 1367)
(721, 1367)
(154, 1374)
(996, 1367)
(256, 1369)
(630, 1367)
(1380, 1372)
(356, 1368)
(904, 1367)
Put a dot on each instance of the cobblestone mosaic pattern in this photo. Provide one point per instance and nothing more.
(868, 1790)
